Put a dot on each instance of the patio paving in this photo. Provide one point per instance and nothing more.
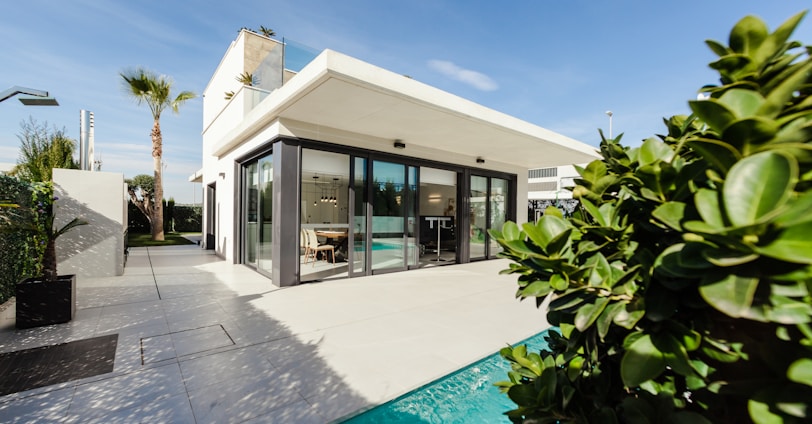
(201, 340)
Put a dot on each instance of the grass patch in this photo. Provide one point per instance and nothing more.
(145, 240)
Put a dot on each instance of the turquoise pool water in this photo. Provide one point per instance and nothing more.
(464, 396)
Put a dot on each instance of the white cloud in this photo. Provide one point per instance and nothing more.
(475, 79)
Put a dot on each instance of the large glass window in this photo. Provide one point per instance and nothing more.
(324, 233)
(257, 197)
(438, 216)
(358, 254)
(388, 220)
(264, 214)
(498, 211)
(489, 209)
(478, 216)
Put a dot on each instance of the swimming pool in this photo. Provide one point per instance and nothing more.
(466, 395)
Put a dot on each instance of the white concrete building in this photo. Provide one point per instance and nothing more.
(550, 186)
(387, 173)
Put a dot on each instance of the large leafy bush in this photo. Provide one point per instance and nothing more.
(681, 288)
(21, 216)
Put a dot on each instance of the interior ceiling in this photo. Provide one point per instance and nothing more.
(355, 107)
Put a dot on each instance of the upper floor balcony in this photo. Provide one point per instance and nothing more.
(224, 109)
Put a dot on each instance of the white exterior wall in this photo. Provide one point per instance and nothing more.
(222, 80)
(562, 180)
(96, 249)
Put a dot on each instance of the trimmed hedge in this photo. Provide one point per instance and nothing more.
(187, 218)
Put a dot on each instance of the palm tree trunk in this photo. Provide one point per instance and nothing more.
(49, 260)
(157, 222)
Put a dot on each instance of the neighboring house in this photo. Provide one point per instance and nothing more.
(550, 186)
(385, 172)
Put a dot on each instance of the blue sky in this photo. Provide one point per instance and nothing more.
(557, 64)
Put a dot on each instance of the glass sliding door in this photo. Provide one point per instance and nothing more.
(390, 209)
(251, 209)
(264, 215)
(497, 198)
(358, 253)
(325, 227)
(257, 196)
(489, 209)
(438, 216)
(411, 251)
(478, 217)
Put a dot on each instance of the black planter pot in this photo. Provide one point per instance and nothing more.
(44, 303)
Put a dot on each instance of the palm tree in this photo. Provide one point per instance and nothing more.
(156, 91)
(266, 31)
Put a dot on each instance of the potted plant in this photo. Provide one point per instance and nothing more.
(48, 298)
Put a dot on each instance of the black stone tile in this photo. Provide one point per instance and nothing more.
(43, 366)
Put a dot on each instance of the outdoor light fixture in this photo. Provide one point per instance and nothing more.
(480, 160)
(41, 96)
(399, 144)
(609, 113)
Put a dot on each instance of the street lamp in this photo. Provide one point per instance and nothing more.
(609, 112)
(40, 98)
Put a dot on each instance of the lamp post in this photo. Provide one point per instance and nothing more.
(609, 112)
(40, 98)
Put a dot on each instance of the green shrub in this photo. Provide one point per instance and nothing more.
(137, 223)
(681, 288)
(188, 218)
(21, 248)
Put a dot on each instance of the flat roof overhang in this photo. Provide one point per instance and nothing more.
(347, 94)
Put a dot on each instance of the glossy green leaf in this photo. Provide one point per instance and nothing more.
(793, 244)
(718, 48)
(789, 311)
(629, 316)
(760, 413)
(536, 289)
(595, 212)
(751, 132)
(604, 321)
(558, 282)
(523, 394)
(510, 231)
(574, 367)
(707, 204)
(781, 94)
(553, 211)
(743, 103)
(748, 34)
(601, 274)
(670, 214)
(653, 150)
(546, 229)
(727, 257)
(560, 243)
(569, 300)
(800, 371)
(756, 185)
(797, 211)
(717, 153)
(589, 312)
(674, 353)
(714, 113)
(641, 362)
(692, 255)
(729, 294)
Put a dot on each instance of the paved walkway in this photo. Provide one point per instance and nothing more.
(204, 341)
